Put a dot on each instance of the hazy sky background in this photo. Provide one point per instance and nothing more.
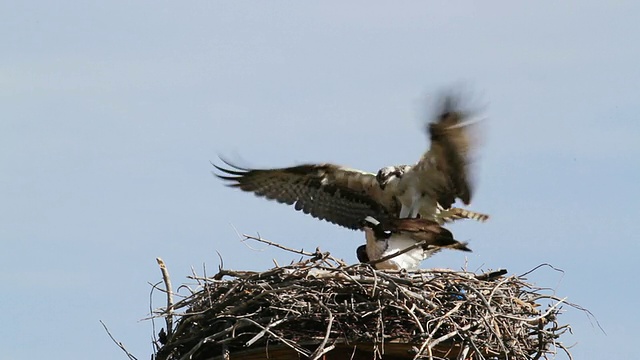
(111, 112)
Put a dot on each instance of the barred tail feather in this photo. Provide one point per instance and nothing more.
(454, 214)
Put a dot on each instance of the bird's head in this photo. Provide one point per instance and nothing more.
(361, 253)
(389, 173)
(369, 222)
(375, 226)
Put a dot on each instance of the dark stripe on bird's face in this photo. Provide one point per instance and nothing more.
(385, 174)
(379, 230)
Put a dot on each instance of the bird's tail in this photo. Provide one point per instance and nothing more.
(454, 214)
(457, 245)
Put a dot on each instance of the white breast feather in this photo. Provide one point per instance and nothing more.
(417, 188)
(410, 260)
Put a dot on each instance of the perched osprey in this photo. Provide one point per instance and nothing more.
(346, 196)
(417, 239)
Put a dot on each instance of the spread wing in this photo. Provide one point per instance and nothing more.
(451, 143)
(442, 174)
(328, 192)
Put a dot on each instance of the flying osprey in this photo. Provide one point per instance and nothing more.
(410, 240)
(346, 196)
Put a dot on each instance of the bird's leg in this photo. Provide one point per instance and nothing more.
(415, 205)
(404, 212)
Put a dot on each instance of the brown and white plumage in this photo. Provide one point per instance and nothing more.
(410, 240)
(442, 174)
(328, 192)
(345, 196)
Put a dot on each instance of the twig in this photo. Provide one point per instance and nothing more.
(538, 267)
(167, 283)
(536, 319)
(264, 331)
(464, 352)
(120, 345)
(414, 317)
(153, 323)
(321, 349)
(391, 256)
(271, 243)
(318, 301)
(290, 344)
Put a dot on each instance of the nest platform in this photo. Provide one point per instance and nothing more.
(320, 308)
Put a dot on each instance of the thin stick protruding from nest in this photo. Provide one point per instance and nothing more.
(271, 243)
(313, 256)
(169, 290)
(120, 345)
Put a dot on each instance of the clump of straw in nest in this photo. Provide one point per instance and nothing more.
(314, 307)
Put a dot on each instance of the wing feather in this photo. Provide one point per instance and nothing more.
(443, 172)
(450, 147)
(328, 192)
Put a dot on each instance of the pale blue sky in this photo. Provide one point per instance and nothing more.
(111, 112)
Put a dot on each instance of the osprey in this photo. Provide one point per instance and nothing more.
(412, 240)
(345, 196)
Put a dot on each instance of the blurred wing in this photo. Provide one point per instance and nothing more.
(451, 142)
(442, 174)
(328, 192)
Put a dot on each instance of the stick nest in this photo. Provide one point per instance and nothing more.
(319, 305)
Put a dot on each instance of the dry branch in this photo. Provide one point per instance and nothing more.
(169, 291)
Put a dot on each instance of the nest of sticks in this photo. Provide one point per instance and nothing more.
(319, 306)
